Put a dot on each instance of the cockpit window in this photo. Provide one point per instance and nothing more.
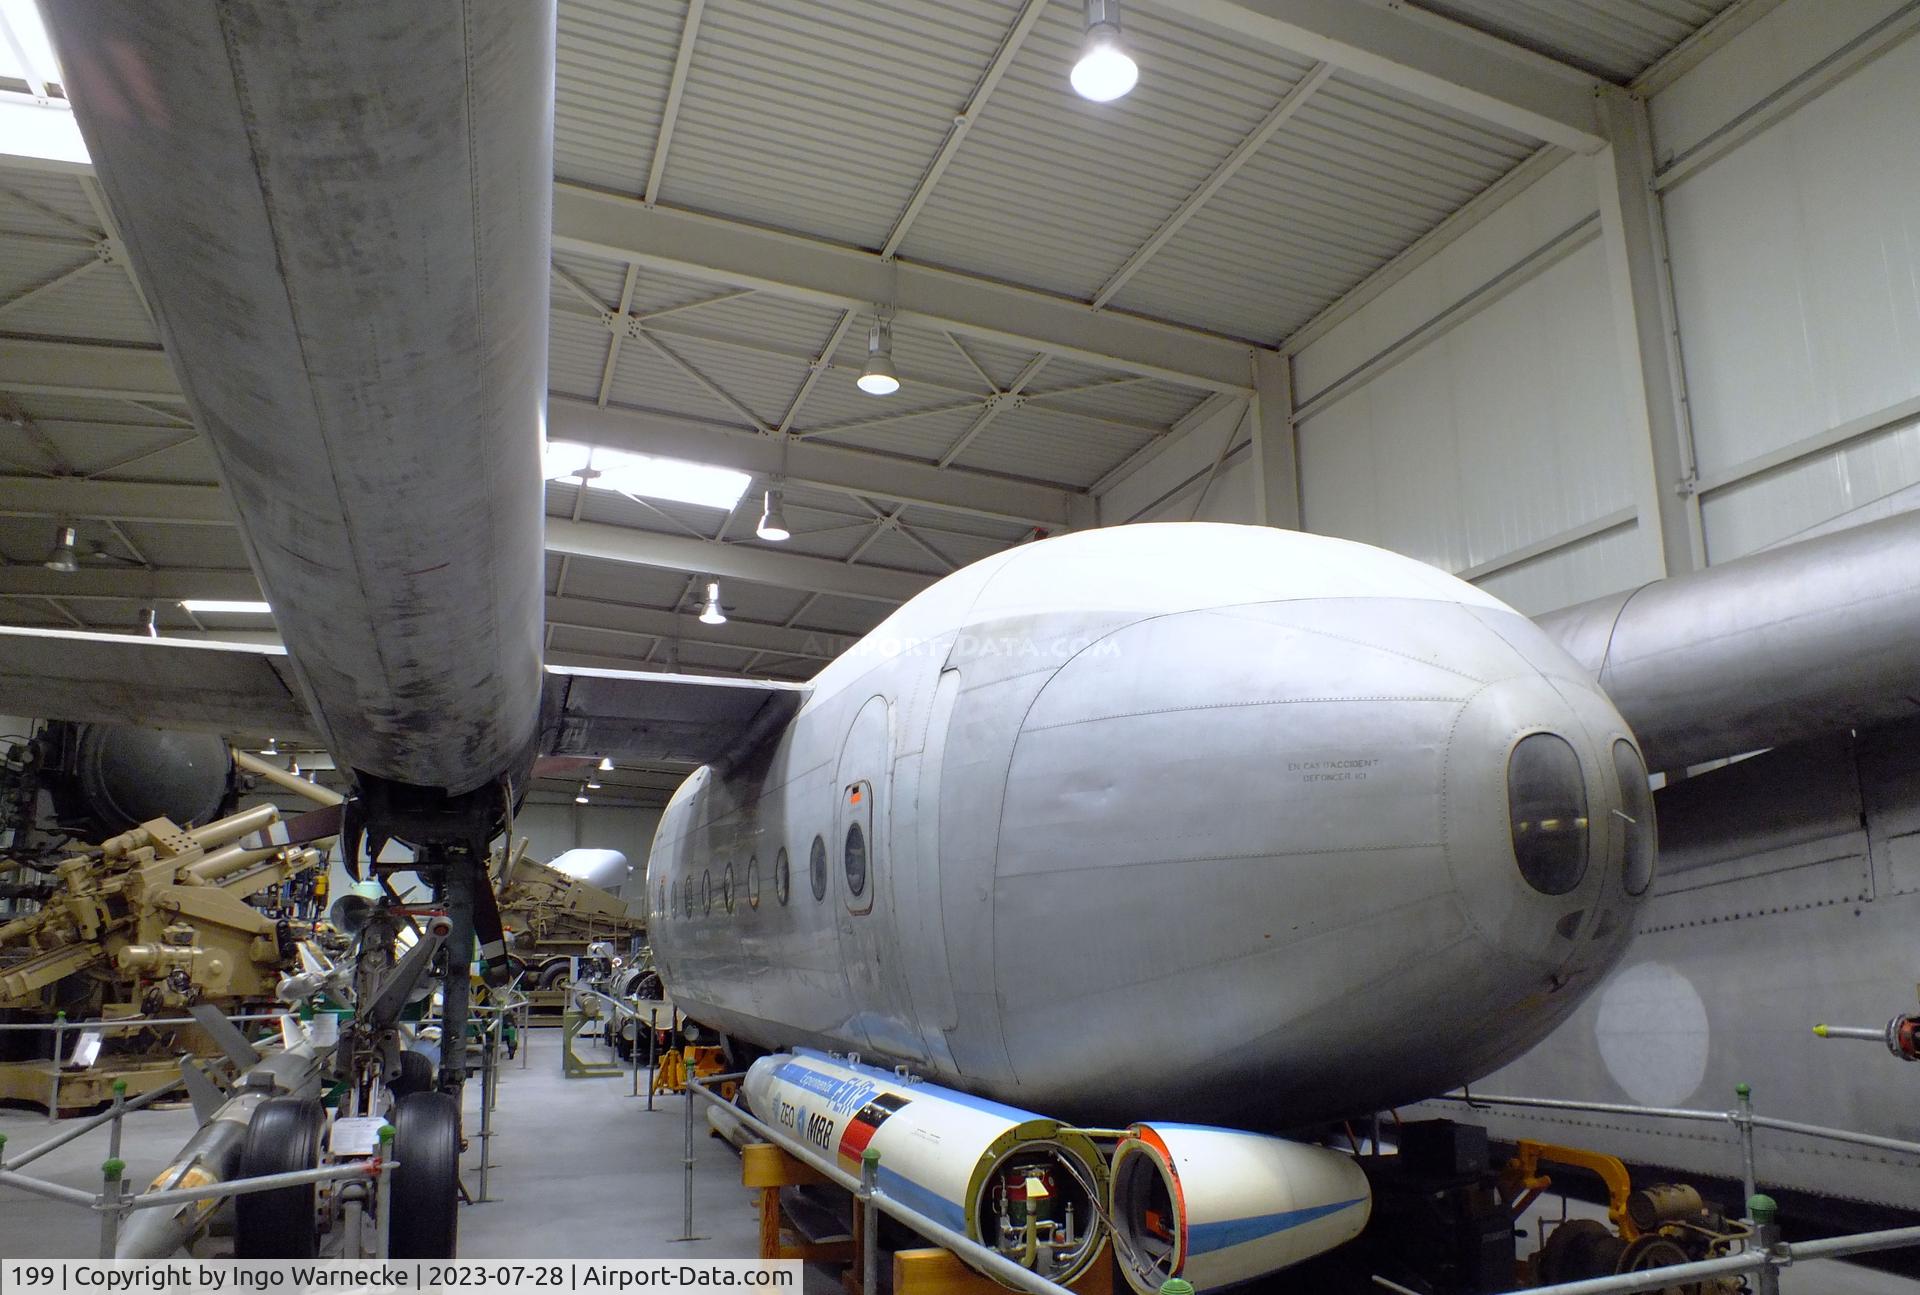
(1547, 808)
(1636, 806)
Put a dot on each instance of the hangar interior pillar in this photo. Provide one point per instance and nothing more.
(1634, 236)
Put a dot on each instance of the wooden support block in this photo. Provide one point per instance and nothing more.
(934, 1271)
(762, 1164)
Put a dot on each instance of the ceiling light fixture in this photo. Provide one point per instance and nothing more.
(150, 622)
(592, 785)
(878, 378)
(1104, 72)
(606, 764)
(226, 606)
(581, 799)
(65, 557)
(271, 748)
(711, 613)
(773, 519)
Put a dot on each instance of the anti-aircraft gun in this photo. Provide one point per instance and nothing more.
(149, 923)
(551, 917)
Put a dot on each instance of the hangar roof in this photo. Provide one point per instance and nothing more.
(743, 186)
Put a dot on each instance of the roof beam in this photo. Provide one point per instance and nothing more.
(123, 501)
(849, 278)
(1290, 103)
(1423, 55)
(162, 501)
(830, 467)
(124, 585)
(731, 561)
(682, 60)
(127, 584)
(79, 369)
(647, 622)
(989, 81)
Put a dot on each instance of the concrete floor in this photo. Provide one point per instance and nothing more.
(580, 1169)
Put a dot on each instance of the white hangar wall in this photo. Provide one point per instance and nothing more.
(1482, 408)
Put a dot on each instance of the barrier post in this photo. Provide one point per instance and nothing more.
(869, 1222)
(1743, 1121)
(111, 1172)
(1766, 1237)
(59, 1060)
(383, 1193)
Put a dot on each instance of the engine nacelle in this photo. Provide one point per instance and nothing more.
(1015, 1182)
(1219, 1206)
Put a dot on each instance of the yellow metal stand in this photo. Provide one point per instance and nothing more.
(572, 1064)
(670, 1076)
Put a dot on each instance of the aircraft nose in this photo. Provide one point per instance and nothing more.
(1549, 823)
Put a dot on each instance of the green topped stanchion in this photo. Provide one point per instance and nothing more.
(1176, 1286)
(1763, 1210)
(113, 1169)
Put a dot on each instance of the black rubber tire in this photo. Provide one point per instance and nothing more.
(425, 1196)
(283, 1136)
(552, 975)
(417, 1073)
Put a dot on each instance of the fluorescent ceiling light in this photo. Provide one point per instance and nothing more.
(645, 476)
(30, 41)
(226, 606)
(34, 124)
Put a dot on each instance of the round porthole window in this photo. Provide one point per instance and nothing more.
(706, 892)
(689, 896)
(856, 861)
(782, 878)
(753, 882)
(726, 888)
(817, 868)
(673, 901)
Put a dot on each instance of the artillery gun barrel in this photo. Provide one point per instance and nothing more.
(287, 782)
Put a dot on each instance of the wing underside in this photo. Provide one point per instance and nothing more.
(181, 684)
(665, 718)
(198, 686)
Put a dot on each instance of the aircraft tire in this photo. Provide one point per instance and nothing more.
(425, 1196)
(283, 1136)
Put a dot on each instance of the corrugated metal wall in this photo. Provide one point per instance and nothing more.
(1796, 265)
(1477, 414)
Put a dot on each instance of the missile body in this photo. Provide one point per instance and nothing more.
(212, 1155)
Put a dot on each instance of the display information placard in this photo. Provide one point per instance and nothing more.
(475, 1277)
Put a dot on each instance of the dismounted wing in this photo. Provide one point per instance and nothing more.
(156, 682)
(669, 718)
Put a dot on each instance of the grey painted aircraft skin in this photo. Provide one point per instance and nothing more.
(1185, 821)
